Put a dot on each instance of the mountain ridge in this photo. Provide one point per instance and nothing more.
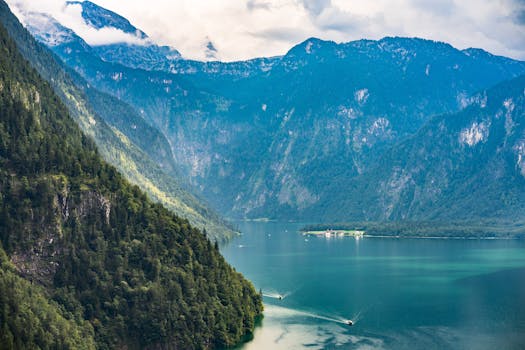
(99, 17)
(250, 138)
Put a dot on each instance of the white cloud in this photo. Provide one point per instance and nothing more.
(71, 17)
(241, 29)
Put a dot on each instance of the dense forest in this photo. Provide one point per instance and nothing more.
(29, 319)
(123, 137)
(88, 257)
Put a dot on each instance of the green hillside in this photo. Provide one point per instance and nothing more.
(124, 139)
(99, 254)
(28, 317)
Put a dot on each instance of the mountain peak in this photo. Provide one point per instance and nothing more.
(310, 46)
(210, 51)
(99, 17)
(133, 48)
(47, 30)
(394, 43)
(476, 52)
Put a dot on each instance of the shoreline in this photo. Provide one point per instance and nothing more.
(442, 237)
(362, 234)
(365, 235)
(428, 230)
(334, 233)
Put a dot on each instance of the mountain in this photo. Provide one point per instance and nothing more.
(283, 137)
(143, 53)
(466, 165)
(139, 53)
(124, 138)
(99, 18)
(108, 267)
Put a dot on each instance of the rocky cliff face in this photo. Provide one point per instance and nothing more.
(40, 261)
(465, 165)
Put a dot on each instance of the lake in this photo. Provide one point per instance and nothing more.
(401, 293)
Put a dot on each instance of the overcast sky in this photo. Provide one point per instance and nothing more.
(241, 29)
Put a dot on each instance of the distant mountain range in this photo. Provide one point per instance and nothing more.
(326, 132)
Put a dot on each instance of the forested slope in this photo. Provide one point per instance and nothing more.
(106, 256)
(123, 137)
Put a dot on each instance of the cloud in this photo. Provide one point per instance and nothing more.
(242, 29)
(282, 34)
(316, 7)
(70, 16)
(335, 19)
(438, 7)
(258, 4)
(520, 12)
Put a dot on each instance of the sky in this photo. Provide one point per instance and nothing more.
(243, 29)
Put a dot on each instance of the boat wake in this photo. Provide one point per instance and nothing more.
(276, 295)
(272, 295)
(333, 318)
(326, 317)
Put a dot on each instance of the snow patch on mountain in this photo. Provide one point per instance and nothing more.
(361, 96)
(117, 76)
(347, 112)
(45, 28)
(482, 100)
(476, 133)
(379, 127)
(61, 26)
(520, 155)
(308, 47)
(509, 105)
(463, 99)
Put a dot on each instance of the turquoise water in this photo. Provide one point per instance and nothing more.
(402, 293)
